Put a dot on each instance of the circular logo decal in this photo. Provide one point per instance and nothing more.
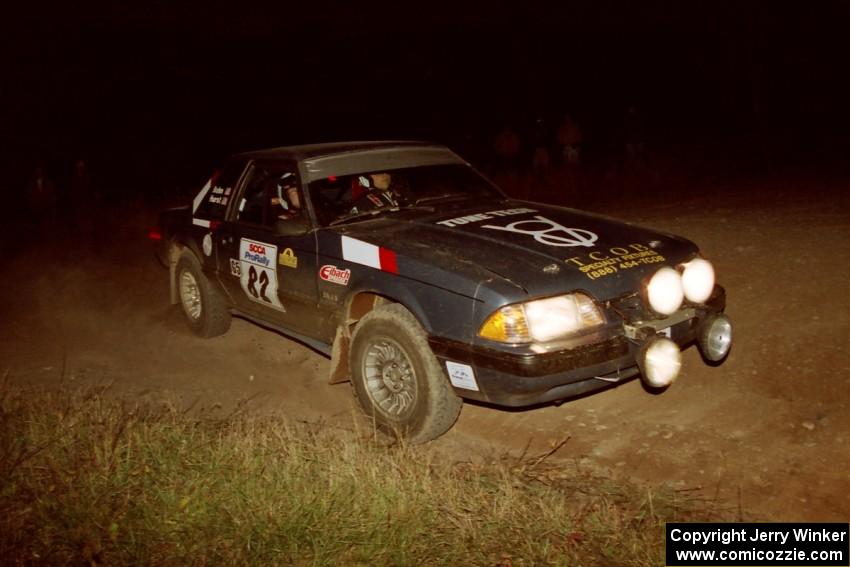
(207, 243)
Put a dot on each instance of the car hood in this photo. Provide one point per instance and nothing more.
(540, 249)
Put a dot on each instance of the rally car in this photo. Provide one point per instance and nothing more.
(425, 284)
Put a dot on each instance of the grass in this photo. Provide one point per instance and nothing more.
(88, 478)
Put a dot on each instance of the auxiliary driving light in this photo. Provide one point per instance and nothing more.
(665, 292)
(698, 280)
(659, 360)
(715, 337)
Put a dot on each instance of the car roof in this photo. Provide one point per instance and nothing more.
(307, 151)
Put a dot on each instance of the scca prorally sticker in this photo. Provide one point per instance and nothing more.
(335, 275)
(549, 232)
(484, 216)
(258, 272)
(461, 375)
(234, 267)
(599, 263)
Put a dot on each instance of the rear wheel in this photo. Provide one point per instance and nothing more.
(204, 307)
(397, 379)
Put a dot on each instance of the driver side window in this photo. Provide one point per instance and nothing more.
(271, 194)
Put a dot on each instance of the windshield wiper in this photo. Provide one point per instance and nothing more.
(375, 212)
(445, 196)
(361, 215)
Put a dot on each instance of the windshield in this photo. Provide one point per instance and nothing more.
(363, 195)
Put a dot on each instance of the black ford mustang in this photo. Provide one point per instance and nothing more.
(425, 284)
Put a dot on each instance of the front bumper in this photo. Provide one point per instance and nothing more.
(527, 377)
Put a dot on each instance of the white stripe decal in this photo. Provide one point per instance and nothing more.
(361, 252)
(201, 222)
(200, 196)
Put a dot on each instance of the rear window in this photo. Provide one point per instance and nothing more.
(223, 187)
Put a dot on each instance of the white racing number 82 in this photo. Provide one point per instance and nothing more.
(258, 272)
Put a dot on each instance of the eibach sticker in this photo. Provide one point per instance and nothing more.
(258, 272)
(335, 275)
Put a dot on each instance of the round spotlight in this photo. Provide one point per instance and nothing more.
(698, 280)
(665, 291)
(660, 361)
(715, 337)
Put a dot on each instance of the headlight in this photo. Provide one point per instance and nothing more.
(659, 360)
(542, 320)
(665, 291)
(698, 280)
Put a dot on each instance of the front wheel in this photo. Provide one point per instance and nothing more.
(205, 309)
(397, 379)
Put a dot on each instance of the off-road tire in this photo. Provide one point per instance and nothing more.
(206, 312)
(391, 335)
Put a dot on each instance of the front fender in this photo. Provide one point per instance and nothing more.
(441, 312)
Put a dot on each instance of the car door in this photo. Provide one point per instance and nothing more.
(267, 250)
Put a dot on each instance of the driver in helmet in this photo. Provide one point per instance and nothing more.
(377, 191)
(286, 198)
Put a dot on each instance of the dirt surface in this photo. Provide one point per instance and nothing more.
(765, 435)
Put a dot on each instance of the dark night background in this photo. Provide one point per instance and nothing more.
(747, 114)
(153, 94)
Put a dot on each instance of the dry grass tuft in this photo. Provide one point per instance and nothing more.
(90, 478)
